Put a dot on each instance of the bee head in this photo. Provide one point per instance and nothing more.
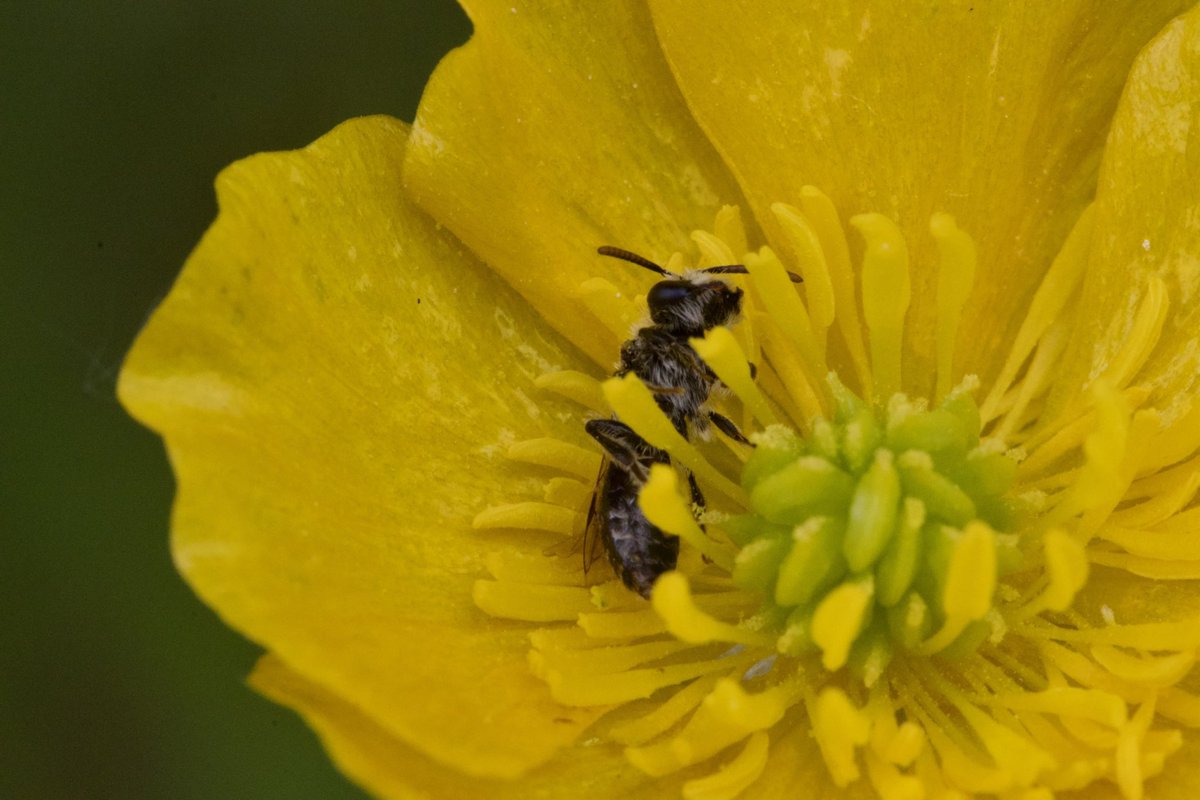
(692, 305)
(689, 305)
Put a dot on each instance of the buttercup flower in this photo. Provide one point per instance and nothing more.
(961, 558)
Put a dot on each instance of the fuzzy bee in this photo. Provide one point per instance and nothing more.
(681, 307)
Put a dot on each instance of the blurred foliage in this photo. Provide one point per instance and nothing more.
(115, 682)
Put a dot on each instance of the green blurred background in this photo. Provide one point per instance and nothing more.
(115, 682)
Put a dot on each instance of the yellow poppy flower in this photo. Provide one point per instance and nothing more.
(960, 561)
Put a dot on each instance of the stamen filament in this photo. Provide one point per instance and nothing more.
(634, 405)
(720, 350)
(809, 258)
(886, 295)
(956, 276)
(823, 217)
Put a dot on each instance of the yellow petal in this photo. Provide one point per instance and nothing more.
(337, 384)
(554, 131)
(992, 112)
(1147, 223)
(389, 767)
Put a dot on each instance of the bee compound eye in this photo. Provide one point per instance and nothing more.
(668, 293)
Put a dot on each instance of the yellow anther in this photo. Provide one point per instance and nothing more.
(713, 250)
(778, 296)
(1156, 672)
(567, 492)
(518, 566)
(634, 405)
(1051, 298)
(840, 729)
(1044, 367)
(1137, 343)
(527, 516)
(672, 601)
(721, 351)
(530, 602)
(810, 259)
(733, 778)
(662, 718)
(906, 745)
(609, 305)
(727, 715)
(1129, 768)
(971, 580)
(601, 660)
(839, 619)
(890, 783)
(1066, 570)
(970, 584)
(823, 218)
(1178, 439)
(728, 225)
(956, 277)
(1164, 542)
(1090, 704)
(583, 389)
(556, 454)
(788, 366)
(660, 501)
(588, 689)
(622, 624)
(886, 294)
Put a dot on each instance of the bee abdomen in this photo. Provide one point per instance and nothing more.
(639, 552)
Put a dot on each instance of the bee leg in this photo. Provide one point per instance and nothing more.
(753, 369)
(725, 425)
(664, 389)
(623, 446)
(697, 495)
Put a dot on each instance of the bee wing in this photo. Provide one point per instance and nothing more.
(593, 541)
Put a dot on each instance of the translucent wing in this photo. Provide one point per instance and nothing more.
(593, 537)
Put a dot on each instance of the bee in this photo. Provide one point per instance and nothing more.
(681, 307)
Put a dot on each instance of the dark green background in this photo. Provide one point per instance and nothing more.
(115, 682)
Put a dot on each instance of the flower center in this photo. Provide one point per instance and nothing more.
(882, 531)
(888, 576)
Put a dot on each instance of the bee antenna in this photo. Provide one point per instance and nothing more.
(632, 258)
(740, 269)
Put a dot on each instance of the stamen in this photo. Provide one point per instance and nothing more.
(809, 257)
(672, 600)
(823, 218)
(661, 503)
(567, 492)
(583, 389)
(788, 366)
(956, 276)
(634, 404)
(530, 602)
(556, 454)
(728, 227)
(720, 350)
(1056, 290)
(726, 716)
(642, 729)
(774, 289)
(609, 306)
(530, 516)
(713, 250)
(886, 294)
(732, 778)
(1139, 341)
(840, 729)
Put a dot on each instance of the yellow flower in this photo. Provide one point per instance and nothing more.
(378, 442)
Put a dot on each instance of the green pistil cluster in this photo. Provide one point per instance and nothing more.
(882, 531)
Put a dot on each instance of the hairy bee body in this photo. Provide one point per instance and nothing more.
(681, 307)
